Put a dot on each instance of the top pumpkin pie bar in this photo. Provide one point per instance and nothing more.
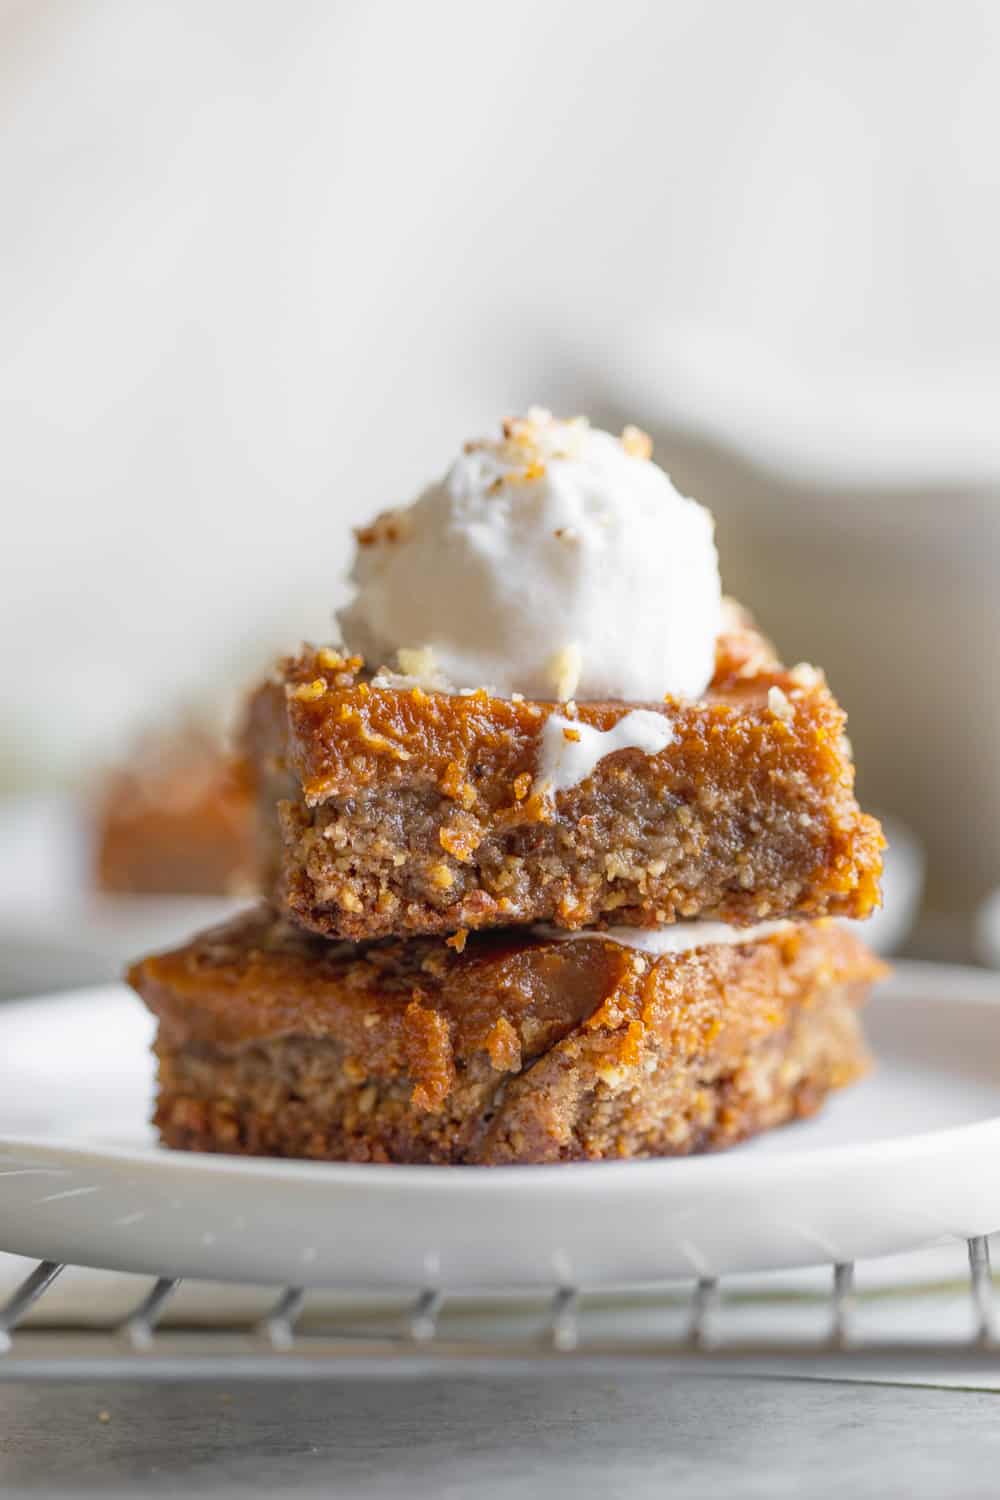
(639, 756)
(389, 808)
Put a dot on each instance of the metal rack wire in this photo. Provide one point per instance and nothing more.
(141, 1345)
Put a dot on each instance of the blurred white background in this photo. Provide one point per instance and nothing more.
(265, 265)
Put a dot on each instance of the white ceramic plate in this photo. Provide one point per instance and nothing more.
(908, 1158)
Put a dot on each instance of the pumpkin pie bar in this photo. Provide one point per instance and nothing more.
(506, 1047)
(176, 819)
(390, 809)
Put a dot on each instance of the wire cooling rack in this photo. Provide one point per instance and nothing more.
(434, 1330)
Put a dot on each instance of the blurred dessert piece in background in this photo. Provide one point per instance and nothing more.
(176, 819)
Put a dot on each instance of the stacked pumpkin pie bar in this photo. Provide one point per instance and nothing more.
(503, 927)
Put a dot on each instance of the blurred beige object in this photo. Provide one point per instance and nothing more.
(256, 283)
(903, 872)
(56, 929)
(893, 585)
(988, 931)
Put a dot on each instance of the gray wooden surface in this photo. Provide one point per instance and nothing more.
(577, 1436)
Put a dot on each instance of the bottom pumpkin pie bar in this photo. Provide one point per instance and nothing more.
(518, 1048)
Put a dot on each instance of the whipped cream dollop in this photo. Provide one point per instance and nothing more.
(558, 562)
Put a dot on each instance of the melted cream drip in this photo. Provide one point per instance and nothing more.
(675, 937)
(570, 750)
